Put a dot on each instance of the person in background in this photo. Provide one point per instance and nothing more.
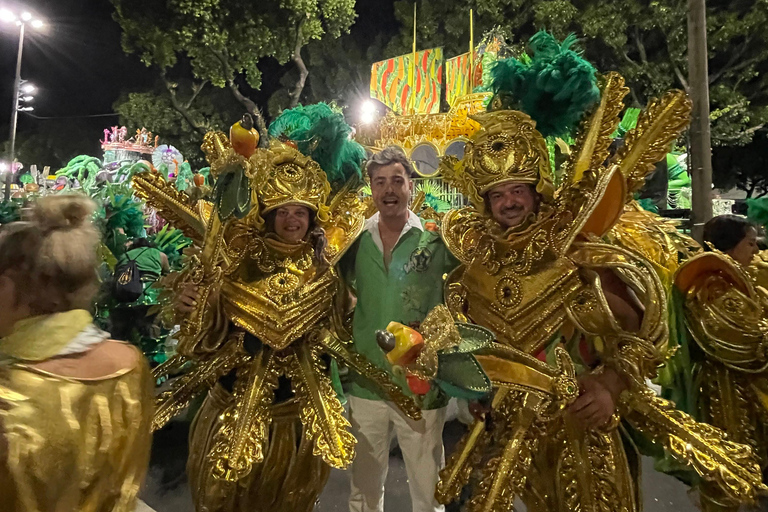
(725, 318)
(396, 271)
(75, 406)
(732, 235)
(151, 263)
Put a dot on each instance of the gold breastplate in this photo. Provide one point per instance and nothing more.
(282, 305)
(526, 310)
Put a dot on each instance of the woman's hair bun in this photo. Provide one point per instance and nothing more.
(63, 212)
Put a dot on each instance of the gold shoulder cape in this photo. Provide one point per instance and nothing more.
(74, 444)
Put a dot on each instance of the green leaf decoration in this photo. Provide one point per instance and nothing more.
(461, 376)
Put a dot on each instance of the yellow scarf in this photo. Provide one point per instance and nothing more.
(41, 337)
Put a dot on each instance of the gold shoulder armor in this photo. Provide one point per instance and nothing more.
(461, 231)
(636, 354)
(174, 206)
(724, 311)
(346, 222)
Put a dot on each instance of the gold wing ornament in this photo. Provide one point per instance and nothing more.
(174, 206)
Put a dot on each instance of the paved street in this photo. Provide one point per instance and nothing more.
(166, 489)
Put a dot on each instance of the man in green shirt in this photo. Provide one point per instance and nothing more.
(396, 269)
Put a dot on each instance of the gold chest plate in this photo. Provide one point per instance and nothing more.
(524, 310)
(281, 307)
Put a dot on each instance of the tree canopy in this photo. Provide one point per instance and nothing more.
(205, 108)
(742, 167)
(224, 40)
(645, 41)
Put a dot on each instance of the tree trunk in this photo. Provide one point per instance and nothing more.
(253, 109)
(701, 152)
(181, 109)
(247, 102)
(295, 95)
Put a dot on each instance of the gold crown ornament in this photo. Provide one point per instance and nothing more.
(283, 175)
(506, 149)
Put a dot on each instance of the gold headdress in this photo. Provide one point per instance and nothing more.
(541, 96)
(282, 175)
(506, 149)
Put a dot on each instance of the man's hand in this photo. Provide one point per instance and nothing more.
(186, 301)
(597, 401)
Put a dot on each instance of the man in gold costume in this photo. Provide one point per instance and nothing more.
(536, 271)
(264, 312)
(725, 308)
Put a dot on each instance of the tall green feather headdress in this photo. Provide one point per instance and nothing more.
(555, 85)
(321, 133)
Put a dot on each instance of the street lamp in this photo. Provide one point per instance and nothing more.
(368, 112)
(21, 20)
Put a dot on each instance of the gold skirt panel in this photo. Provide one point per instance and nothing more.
(575, 469)
(289, 479)
(728, 400)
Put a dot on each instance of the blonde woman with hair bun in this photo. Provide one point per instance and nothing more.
(75, 406)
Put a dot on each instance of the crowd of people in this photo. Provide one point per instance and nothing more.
(527, 302)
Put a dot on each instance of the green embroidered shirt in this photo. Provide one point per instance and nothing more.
(404, 293)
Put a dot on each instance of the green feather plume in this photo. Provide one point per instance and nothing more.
(556, 86)
(757, 210)
(299, 119)
(321, 133)
(628, 122)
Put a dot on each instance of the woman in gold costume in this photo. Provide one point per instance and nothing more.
(76, 406)
(726, 312)
(264, 303)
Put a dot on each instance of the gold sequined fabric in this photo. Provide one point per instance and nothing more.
(74, 444)
(290, 477)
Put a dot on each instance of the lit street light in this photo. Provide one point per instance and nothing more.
(368, 112)
(21, 21)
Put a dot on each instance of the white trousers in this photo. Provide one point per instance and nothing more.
(420, 441)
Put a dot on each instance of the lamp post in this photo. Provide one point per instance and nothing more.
(701, 144)
(21, 21)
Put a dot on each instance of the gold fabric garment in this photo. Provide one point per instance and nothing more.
(289, 478)
(73, 445)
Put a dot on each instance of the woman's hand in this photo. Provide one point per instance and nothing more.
(186, 301)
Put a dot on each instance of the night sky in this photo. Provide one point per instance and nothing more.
(76, 61)
(80, 69)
